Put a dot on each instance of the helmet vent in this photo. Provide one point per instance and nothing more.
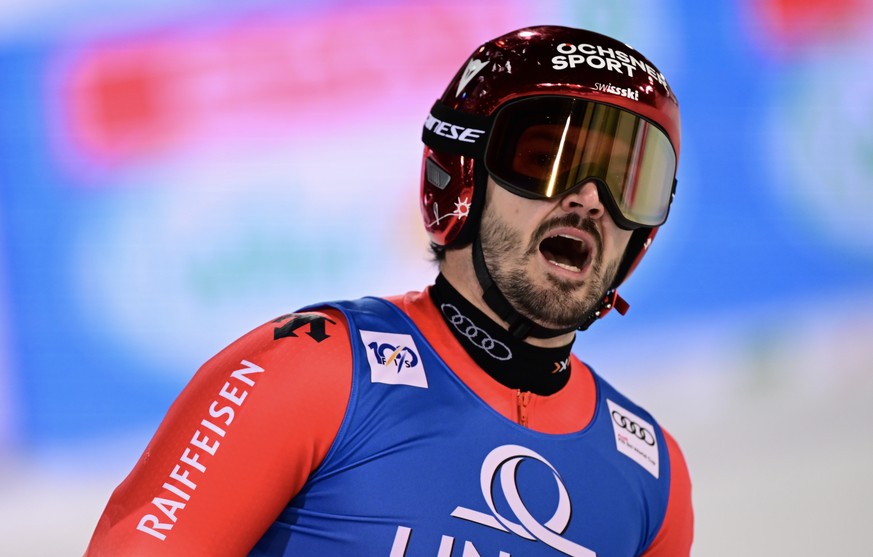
(436, 175)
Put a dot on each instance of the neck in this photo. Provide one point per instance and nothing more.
(510, 361)
(459, 272)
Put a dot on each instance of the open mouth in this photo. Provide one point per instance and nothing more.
(567, 252)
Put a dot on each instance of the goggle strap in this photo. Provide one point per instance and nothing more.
(456, 132)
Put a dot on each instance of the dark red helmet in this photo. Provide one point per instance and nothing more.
(609, 111)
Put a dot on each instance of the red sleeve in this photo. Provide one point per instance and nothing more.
(237, 444)
(677, 532)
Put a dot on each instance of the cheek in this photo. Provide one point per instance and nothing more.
(624, 237)
(620, 239)
(511, 210)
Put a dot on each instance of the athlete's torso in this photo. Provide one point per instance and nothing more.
(272, 419)
(421, 466)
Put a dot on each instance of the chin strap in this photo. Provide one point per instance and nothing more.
(520, 326)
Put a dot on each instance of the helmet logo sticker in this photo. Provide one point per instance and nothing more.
(600, 58)
(620, 91)
(462, 209)
(473, 67)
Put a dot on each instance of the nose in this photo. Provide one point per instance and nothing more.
(584, 200)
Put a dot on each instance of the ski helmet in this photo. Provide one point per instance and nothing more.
(542, 110)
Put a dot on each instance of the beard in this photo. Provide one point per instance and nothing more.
(560, 303)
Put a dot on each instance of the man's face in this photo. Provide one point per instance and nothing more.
(552, 259)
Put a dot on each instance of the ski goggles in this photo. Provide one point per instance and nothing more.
(544, 147)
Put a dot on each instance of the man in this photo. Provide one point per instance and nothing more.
(456, 421)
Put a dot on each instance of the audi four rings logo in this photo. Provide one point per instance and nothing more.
(499, 472)
(477, 336)
(636, 429)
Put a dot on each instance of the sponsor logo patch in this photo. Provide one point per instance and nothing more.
(393, 359)
(634, 437)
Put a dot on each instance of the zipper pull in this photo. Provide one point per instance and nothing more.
(523, 400)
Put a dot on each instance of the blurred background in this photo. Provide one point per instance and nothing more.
(173, 174)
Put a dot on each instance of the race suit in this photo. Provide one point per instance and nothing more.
(363, 428)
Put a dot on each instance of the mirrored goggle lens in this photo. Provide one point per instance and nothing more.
(545, 147)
